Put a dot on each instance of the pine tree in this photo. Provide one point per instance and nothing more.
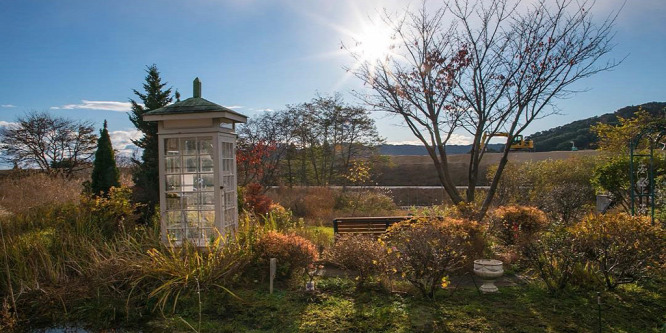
(146, 173)
(105, 173)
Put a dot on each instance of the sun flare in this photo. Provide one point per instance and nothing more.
(373, 42)
(369, 40)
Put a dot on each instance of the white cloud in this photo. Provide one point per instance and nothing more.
(235, 107)
(97, 105)
(122, 141)
(408, 142)
(262, 110)
(8, 106)
(7, 123)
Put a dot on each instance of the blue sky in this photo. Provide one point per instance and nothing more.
(81, 59)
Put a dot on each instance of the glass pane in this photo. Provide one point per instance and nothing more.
(189, 146)
(173, 202)
(190, 201)
(207, 200)
(209, 234)
(227, 150)
(206, 163)
(173, 183)
(193, 230)
(171, 147)
(191, 164)
(205, 147)
(188, 180)
(175, 234)
(192, 219)
(228, 183)
(230, 216)
(194, 233)
(173, 219)
(229, 200)
(173, 164)
(208, 218)
(208, 181)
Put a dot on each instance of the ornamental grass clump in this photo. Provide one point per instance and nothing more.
(425, 250)
(177, 271)
(619, 248)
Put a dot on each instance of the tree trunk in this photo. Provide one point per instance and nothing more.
(493, 185)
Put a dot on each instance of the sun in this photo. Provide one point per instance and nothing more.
(369, 40)
(373, 42)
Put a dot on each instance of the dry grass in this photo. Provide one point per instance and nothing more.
(313, 203)
(21, 192)
(419, 170)
(320, 205)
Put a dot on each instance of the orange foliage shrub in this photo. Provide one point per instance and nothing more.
(362, 254)
(255, 200)
(427, 249)
(621, 248)
(292, 252)
(517, 224)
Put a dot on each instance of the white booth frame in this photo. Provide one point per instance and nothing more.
(226, 211)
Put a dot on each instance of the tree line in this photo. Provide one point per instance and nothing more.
(61, 146)
(311, 143)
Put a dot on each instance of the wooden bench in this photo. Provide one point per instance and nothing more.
(365, 225)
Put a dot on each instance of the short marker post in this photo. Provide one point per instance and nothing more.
(272, 272)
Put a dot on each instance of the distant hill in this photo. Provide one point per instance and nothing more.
(418, 150)
(559, 138)
(554, 139)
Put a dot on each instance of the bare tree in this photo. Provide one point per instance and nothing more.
(316, 139)
(329, 134)
(266, 136)
(495, 68)
(415, 82)
(49, 143)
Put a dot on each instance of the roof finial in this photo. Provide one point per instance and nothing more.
(197, 88)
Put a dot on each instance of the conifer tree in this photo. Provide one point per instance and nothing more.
(105, 173)
(146, 174)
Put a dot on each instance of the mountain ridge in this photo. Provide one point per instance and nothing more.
(555, 139)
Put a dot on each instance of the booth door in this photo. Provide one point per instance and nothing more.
(189, 192)
(228, 195)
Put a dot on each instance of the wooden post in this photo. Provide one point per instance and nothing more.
(273, 270)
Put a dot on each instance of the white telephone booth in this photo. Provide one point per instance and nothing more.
(197, 169)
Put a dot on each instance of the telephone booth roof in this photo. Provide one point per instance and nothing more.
(194, 107)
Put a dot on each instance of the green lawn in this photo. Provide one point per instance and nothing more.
(338, 307)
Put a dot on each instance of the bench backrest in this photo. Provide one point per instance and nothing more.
(365, 225)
